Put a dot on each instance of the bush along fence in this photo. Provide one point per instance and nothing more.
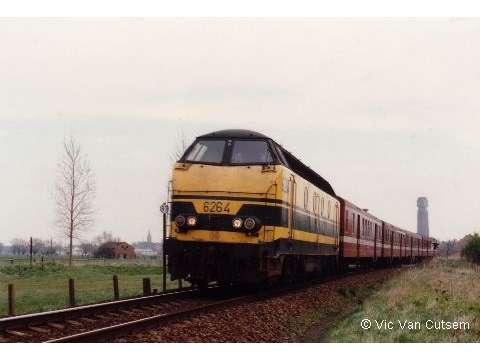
(147, 291)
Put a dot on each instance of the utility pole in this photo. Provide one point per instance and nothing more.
(164, 211)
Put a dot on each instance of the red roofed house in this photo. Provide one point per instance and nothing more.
(123, 250)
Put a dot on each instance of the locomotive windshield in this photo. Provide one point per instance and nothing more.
(251, 152)
(209, 151)
(239, 152)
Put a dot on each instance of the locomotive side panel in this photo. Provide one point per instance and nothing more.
(313, 217)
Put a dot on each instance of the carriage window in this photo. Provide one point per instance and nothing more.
(251, 152)
(208, 151)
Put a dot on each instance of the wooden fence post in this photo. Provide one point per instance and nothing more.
(147, 287)
(11, 300)
(116, 293)
(31, 250)
(71, 292)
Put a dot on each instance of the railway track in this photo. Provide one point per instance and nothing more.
(107, 321)
(114, 331)
(49, 325)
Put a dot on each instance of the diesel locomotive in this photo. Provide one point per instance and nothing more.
(244, 210)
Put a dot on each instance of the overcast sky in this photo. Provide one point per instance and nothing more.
(386, 109)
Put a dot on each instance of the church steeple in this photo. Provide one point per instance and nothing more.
(149, 237)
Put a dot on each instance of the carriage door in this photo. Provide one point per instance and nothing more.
(293, 198)
(359, 225)
(337, 227)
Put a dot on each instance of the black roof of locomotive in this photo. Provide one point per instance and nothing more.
(235, 133)
(293, 163)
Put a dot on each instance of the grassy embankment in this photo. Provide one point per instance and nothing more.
(43, 288)
(412, 306)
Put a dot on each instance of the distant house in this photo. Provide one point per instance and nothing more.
(77, 251)
(123, 250)
(145, 252)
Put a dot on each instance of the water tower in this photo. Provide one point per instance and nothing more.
(422, 216)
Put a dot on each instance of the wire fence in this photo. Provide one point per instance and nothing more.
(45, 284)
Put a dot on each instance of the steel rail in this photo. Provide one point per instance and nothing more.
(22, 321)
(114, 331)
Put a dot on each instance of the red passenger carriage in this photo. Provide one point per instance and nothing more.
(360, 234)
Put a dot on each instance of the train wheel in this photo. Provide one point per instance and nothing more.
(288, 270)
(224, 284)
(201, 284)
(318, 267)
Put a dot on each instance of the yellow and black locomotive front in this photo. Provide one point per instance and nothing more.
(232, 206)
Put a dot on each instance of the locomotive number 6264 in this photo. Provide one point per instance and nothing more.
(216, 207)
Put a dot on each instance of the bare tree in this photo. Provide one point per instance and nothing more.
(88, 248)
(74, 193)
(19, 246)
(38, 247)
(104, 237)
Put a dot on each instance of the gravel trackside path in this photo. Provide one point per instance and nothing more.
(304, 316)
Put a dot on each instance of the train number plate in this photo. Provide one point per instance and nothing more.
(216, 207)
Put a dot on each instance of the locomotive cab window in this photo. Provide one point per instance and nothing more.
(251, 152)
(206, 151)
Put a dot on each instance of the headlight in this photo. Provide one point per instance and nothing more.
(237, 223)
(249, 223)
(192, 221)
(180, 220)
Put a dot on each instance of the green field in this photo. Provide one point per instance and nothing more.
(434, 303)
(431, 303)
(44, 285)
